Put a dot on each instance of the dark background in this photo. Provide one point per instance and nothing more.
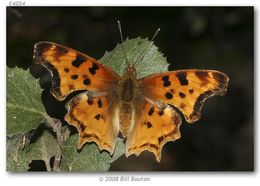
(219, 38)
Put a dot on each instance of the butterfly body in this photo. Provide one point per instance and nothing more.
(125, 95)
(140, 109)
(128, 84)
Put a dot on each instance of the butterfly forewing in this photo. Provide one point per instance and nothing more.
(185, 89)
(72, 70)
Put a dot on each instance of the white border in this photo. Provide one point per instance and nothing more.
(169, 178)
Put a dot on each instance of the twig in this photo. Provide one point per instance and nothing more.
(56, 125)
(47, 164)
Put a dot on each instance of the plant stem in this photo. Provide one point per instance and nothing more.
(56, 125)
(47, 164)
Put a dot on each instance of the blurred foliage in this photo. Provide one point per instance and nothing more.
(219, 38)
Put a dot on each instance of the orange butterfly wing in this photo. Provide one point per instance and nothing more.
(185, 89)
(96, 119)
(155, 124)
(72, 70)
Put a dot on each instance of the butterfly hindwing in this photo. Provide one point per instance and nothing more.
(96, 119)
(185, 89)
(72, 70)
(155, 124)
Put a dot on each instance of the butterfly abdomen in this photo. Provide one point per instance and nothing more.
(127, 93)
(125, 117)
(128, 90)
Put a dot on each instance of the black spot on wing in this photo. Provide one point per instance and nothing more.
(99, 103)
(169, 95)
(86, 81)
(149, 124)
(165, 78)
(78, 61)
(97, 117)
(182, 95)
(182, 76)
(74, 77)
(66, 70)
(166, 81)
(93, 69)
(151, 111)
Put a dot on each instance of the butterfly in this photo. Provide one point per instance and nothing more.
(140, 109)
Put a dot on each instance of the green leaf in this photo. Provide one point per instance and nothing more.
(89, 158)
(144, 52)
(43, 148)
(14, 163)
(24, 108)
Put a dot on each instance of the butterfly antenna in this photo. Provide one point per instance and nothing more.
(141, 56)
(122, 40)
(156, 33)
